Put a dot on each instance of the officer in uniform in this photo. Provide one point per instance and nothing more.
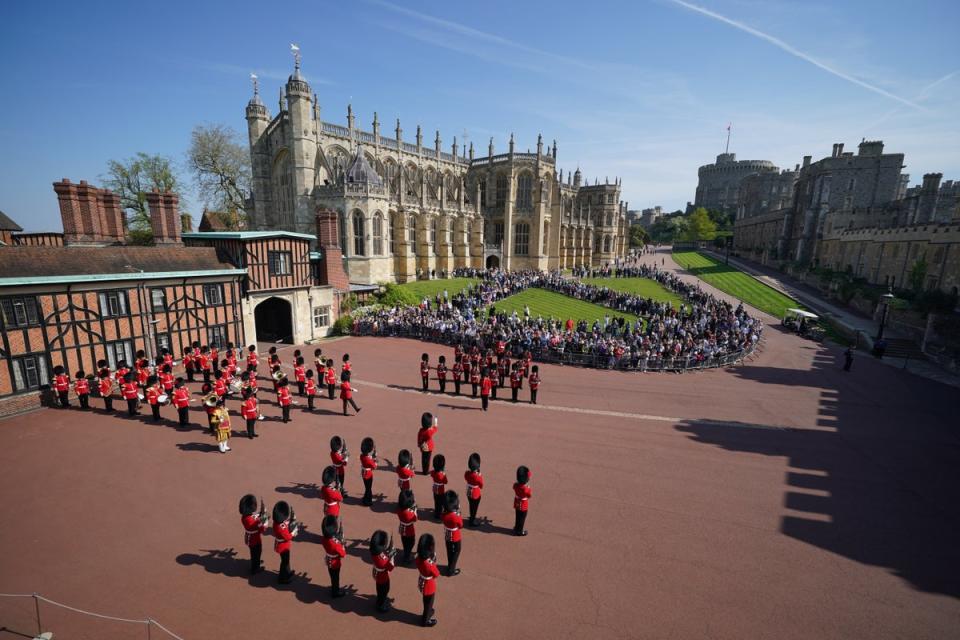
(522, 493)
(255, 523)
(382, 554)
(335, 552)
(452, 528)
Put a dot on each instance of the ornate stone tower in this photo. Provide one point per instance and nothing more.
(258, 119)
(302, 146)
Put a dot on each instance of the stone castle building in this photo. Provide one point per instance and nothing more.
(407, 210)
(718, 186)
(854, 213)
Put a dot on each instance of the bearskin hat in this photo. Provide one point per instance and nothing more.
(404, 458)
(336, 443)
(248, 505)
(426, 546)
(58, 370)
(345, 376)
(317, 353)
(281, 511)
(439, 462)
(451, 501)
(426, 420)
(523, 474)
(378, 542)
(473, 463)
(329, 475)
(329, 527)
(406, 500)
(367, 445)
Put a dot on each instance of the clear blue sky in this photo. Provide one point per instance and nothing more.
(642, 89)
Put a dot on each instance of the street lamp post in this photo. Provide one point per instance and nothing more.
(886, 299)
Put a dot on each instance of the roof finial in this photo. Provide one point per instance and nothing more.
(296, 56)
(256, 84)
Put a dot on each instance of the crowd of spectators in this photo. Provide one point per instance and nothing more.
(702, 331)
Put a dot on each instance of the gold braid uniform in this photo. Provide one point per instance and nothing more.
(221, 421)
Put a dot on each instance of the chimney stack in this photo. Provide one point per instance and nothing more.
(164, 217)
(328, 240)
(89, 215)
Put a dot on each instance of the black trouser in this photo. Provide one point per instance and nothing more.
(368, 491)
(206, 376)
(443, 385)
(501, 379)
(334, 581)
(533, 396)
(108, 403)
(848, 364)
(285, 573)
(183, 413)
(190, 373)
(64, 397)
(473, 510)
(84, 400)
(466, 376)
(425, 382)
(132, 407)
(383, 590)
(518, 522)
(300, 387)
(407, 547)
(425, 461)
(493, 391)
(251, 427)
(255, 552)
(474, 385)
(341, 474)
(286, 412)
(155, 410)
(427, 609)
(438, 506)
(456, 385)
(310, 402)
(484, 402)
(453, 554)
(514, 391)
(352, 404)
(331, 388)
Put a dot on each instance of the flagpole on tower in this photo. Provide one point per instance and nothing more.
(727, 150)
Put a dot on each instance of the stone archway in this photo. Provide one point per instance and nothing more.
(274, 321)
(493, 262)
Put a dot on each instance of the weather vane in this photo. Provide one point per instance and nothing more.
(256, 84)
(296, 55)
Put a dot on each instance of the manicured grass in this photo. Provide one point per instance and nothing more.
(549, 304)
(736, 283)
(430, 288)
(644, 287)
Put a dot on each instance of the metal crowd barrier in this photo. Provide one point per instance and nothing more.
(550, 355)
(20, 613)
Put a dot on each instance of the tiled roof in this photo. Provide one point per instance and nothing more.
(220, 221)
(244, 235)
(6, 224)
(39, 262)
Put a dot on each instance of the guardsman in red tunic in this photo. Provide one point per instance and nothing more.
(204, 362)
(250, 410)
(166, 378)
(428, 429)
(404, 469)
(521, 499)
(424, 371)
(427, 567)
(346, 366)
(122, 371)
(181, 400)
(335, 552)
(82, 388)
(284, 398)
(130, 392)
(407, 513)
(439, 477)
(515, 377)
(214, 357)
(189, 363)
(220, 384)
(61, 384)
(457, 352)
(255, 523)
(319, 363)
(166, 358)
(503, 368)
(382, 554)
(534, 383)
(368, 464)
(474, 486)
(486, 387)
(501, 347)
(253, 360)
(311, 389)
(285, 528)
(457, 372)
(346, 392)
(330, 378)
(300, 375)
(442, 374)
(329, 493)
(153, 397)
(339, 456)
(452, 528)
(475, 376)
(465, 361)
(525, 366)
(106, 389)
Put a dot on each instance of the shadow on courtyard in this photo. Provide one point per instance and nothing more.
(877, 479)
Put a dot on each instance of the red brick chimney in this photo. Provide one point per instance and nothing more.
(113, 224)
(89, 215)
(164, 217)
(331, 262)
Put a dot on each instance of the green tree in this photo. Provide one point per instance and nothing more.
(700, 226)
(918, 274)
(132, 179)
(220, 165)
(638, 236)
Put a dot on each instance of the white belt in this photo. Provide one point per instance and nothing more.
(472, 486)
(423, 577)
(339, 464)
(454, 529)
(330, 504)
(379, 570)
(332, 557)
(438, 484)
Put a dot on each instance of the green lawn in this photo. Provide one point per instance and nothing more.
(556, 305)
(736, 283)
(644, 287)
(430, 288)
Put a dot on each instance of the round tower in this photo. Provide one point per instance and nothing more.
(302, 143)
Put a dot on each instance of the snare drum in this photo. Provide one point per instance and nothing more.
(163, 398)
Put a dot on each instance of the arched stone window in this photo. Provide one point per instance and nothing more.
(501, 190)
(525, 192)
(521, 239)
(483, 192)
(609, 219)
(433, 235)
(412, 232)
(546, 239)
(283, 187)
(358, 246)
(469, 232)
(606, 244)
(342, 229)
(378, 234)
(450, 231)
(393, 234)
